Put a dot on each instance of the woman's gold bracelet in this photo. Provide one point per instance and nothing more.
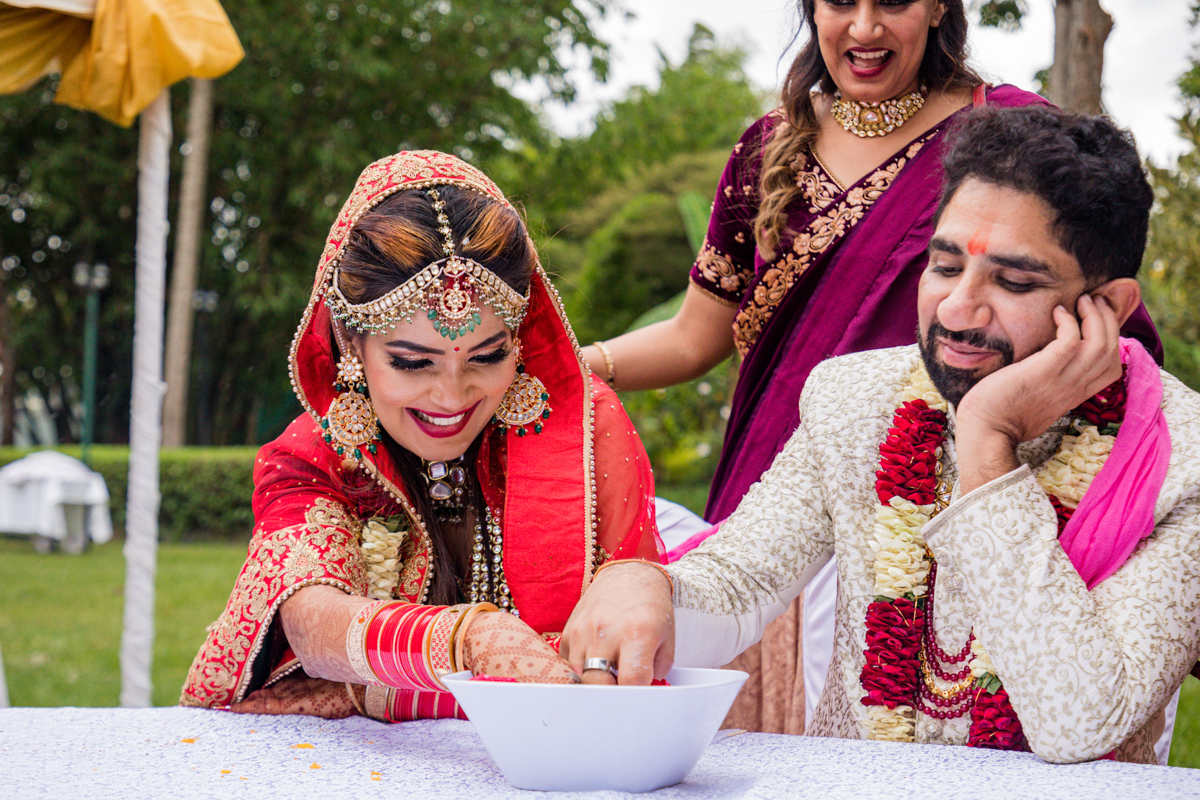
(611, 380)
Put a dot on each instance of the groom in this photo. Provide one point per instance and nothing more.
(995, 586)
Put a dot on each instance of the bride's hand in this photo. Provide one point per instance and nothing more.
(299, 695)
(499, 645)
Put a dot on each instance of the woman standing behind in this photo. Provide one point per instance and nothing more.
(457, 461)
(814, 249)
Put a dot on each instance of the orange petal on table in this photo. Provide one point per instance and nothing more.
(304, 746)
(315, 765)
(189, 741)
(226, 771)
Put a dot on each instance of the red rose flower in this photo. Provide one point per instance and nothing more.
(1107, 406)
(1064, 513)
(994, 724)
(890, 676)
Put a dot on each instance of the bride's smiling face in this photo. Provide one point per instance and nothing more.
(433, 395)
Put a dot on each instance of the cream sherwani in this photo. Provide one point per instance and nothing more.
(1087, 672)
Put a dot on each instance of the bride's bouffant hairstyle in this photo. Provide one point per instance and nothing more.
(388, 246)
(399, 237)
(944, 66)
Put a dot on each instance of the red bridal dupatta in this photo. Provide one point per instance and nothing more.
(310, 503)
(844, 283)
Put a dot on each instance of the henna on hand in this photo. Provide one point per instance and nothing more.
(499, 645)
(299, 695)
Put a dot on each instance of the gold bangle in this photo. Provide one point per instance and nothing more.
(362, 712)
(659, 567)
(356, 640)
(378, 703)
(438, 648)
(460, 634)
(611, 380)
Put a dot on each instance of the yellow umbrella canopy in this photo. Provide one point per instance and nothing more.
(118, 58)
(115, 56)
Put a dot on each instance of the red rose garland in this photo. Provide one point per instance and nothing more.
(892, 675)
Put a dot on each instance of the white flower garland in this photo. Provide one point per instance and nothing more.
(381, 551)
(1069, 472)
(900, 564)
(901, 567)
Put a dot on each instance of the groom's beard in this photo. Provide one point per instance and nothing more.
(953, 383)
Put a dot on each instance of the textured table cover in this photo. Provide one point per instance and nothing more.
(194, 753)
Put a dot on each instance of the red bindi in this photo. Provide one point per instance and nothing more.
(977, 244)
(456, 349)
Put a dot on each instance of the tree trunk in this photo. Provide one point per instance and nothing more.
(1081, 28)
(178, 355)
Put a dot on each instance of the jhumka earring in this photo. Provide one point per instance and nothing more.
(525, 401)
(351, 423)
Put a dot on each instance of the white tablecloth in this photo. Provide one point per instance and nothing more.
(193, 753)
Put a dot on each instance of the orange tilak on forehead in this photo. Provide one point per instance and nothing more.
(978, 243)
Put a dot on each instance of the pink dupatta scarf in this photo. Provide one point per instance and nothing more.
(1117, 511)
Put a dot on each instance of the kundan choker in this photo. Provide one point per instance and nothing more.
(876, 119)
(446, 483)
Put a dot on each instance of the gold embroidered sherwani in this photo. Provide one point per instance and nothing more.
(1087, 673)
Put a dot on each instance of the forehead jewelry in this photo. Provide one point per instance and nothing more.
(876, 119)
(448, 292)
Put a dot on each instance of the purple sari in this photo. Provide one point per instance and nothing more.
(846, 282)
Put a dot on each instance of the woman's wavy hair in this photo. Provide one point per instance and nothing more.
(388, 246)
(943, 66)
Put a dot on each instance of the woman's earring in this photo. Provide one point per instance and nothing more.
(351, 422)
(525, 401)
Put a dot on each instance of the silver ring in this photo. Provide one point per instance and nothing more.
(600, 663)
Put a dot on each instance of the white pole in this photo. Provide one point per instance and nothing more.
(3, 685)
(145, 425)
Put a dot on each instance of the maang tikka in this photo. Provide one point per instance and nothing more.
(351, 423)
(448, 292)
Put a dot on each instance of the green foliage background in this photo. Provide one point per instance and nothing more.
(205, 491)
(1170, 275)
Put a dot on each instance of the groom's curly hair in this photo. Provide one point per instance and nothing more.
(1084, 167)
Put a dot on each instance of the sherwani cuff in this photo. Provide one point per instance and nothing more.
(995, 535)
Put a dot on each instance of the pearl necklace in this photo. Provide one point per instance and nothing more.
(488, 584)
(876, 119)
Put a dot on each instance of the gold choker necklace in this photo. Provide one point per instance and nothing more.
(876, 119)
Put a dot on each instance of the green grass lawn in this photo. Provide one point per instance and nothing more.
(60, 619)
(60, 624)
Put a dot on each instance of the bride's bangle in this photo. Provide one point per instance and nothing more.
(611, 380)
(659, 567)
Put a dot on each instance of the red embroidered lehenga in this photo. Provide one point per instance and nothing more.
(568, 498)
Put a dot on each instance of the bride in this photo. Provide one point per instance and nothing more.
(456, 481)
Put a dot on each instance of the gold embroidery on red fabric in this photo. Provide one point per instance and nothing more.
(281, 563)
(837, 218)
(717, 268)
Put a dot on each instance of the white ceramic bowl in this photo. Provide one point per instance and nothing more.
(588, 738)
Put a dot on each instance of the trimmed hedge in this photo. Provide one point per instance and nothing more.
(205, 490)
